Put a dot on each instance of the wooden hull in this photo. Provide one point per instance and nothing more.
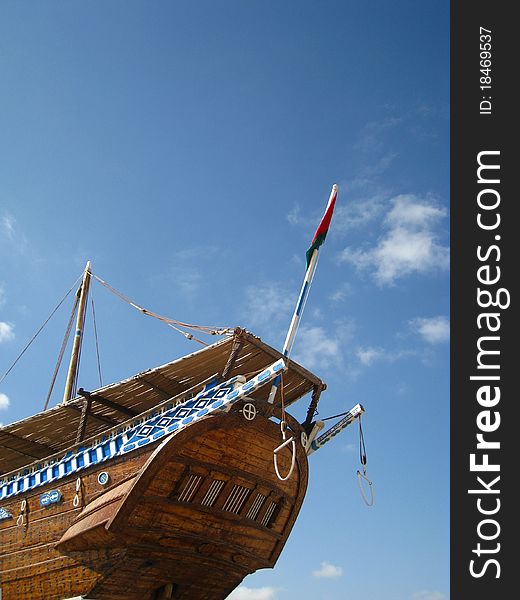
(187, 518)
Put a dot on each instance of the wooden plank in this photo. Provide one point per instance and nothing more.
(35, 449)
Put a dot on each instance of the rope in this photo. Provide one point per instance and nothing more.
(96, 338)
(363, 461)
(285, 442)
(335, 416)
(39, 330)
(174, 324)
(62, 351)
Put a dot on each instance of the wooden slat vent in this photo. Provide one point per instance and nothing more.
(191, 486)
(256, 506)
(236, 499)
(213, 492)
(268, 514)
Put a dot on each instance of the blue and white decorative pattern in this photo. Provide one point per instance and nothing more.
(351, 416)
(220, 397)
(142, 432)
(52, 497)
(5, 514)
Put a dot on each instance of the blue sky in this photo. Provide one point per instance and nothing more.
(188, 149)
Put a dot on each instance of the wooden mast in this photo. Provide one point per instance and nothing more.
(76, 345)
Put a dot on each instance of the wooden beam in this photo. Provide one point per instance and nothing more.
(30, 446)
(105, 420)
(157, 388)
(19, 452)
(109, 403)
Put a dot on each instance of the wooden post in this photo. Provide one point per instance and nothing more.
(238, 342)
(76, 345)
(82, 426)
(316, 392)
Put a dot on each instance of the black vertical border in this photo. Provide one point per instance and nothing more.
(471, 133)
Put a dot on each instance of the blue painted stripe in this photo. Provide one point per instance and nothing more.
(202, 404)
(302, 298)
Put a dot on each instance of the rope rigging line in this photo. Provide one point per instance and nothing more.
(174, 324)
(62, 351)
(335, 416)
(96, 338)
(363, 461)
(39, 330)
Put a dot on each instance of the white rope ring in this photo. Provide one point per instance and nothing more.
(78, 484)
(366, 500)
(283, 426)
(23, 505)
(75, 502)
(19, 520)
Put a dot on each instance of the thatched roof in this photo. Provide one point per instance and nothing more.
(44, 434)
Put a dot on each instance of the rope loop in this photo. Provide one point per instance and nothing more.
(22, 520)
(360, 476)
(285, 442)
(77, 497)
(363, 461)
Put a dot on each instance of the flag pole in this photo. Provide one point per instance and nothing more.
(312, 263)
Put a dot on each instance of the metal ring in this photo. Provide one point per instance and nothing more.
(249, 411)
(367, 501)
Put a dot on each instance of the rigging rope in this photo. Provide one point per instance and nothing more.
(335, 416)
(62, 351)
(96, 338)
(174, 324)
(39, 330)
(363, 461)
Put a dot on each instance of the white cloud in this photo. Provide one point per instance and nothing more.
(294, 216)
(373, 132)
(245, 593)
(410, 244)
(7, 226)
(315, 348)
(328, 570)
(187, 279)
(4, 401)
(434, 330)
(411, 212)
(10, 233)
(354, 215)
(344, 290)
(267, 304)
(428, 595)
(6, 332)
(368, 355)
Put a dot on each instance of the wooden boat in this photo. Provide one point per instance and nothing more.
(175, 483)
